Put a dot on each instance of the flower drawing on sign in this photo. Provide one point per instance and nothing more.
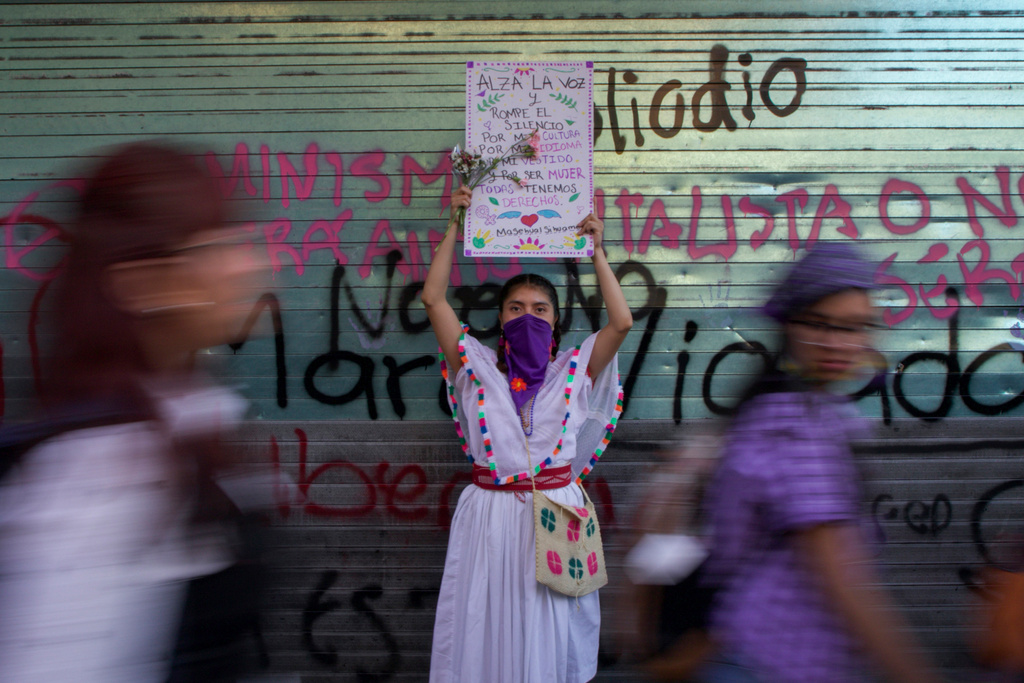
(564, 99)
(574, 242)
(482, 239)
(524, 70)
(489, 102)
(529, 245)
(518, 384)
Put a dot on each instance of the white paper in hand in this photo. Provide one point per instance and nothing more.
(664, 559)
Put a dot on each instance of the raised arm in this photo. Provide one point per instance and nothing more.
(443, 318)
(620, 319)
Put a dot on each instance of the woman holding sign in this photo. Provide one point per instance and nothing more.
(533, 409)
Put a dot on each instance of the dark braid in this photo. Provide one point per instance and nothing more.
(537, 282)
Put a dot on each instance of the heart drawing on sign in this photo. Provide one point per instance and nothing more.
(528, 221)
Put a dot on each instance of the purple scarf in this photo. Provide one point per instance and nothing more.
(527, 354)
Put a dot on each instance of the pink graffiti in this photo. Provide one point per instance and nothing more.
(974, 269)
(896, 186)
(355, 181)
(18, 258)
(375, 185)
(726, 250)
(973, 197)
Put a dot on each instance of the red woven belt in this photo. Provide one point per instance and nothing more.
(548, 478)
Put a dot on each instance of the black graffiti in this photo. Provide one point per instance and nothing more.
(1001, 546)
(470, 299)
(796, 66)
(709, 97)
(652, 309)
(877, 385)
(365, 365)
(754, 348)
(950, 361)
(924, 518)
(590, 305)
(484, 298)
(270, 302)
(920, 517)
(715, 88)
(971, 576)
(978, 516)
(682, 363)
(375, 332)
(410, 296)
(360, 603)
(316, 607)
(975, 366)
(395, 373)
(956, 382)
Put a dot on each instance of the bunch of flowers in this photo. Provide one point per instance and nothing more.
(470, 168)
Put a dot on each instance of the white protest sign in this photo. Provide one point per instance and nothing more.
(531, 206)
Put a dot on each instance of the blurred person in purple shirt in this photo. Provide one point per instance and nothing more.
(105, 528)
(798, 598)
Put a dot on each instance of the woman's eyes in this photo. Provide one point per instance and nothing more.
(514, 308)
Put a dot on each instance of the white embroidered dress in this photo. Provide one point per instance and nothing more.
(494, 622)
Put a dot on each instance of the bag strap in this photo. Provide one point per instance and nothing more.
(533, 484)
(529, 464)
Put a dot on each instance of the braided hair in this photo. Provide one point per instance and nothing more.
(541, 284)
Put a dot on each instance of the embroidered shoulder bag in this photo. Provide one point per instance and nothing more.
(570, 556)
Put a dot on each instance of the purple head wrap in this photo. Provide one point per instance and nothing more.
(825, 270)
(527, 354)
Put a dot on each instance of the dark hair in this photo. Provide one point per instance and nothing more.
(142, 201)
(537, 282)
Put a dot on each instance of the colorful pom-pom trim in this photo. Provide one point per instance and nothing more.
(488, 451)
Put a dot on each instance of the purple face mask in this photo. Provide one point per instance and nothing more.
(527, 353)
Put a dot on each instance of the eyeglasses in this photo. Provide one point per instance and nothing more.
(845, 332)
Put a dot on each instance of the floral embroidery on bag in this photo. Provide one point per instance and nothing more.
(547, 519)
(575, 568)
(554, 562)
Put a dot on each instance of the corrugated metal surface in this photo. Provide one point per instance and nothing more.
(895, 124)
